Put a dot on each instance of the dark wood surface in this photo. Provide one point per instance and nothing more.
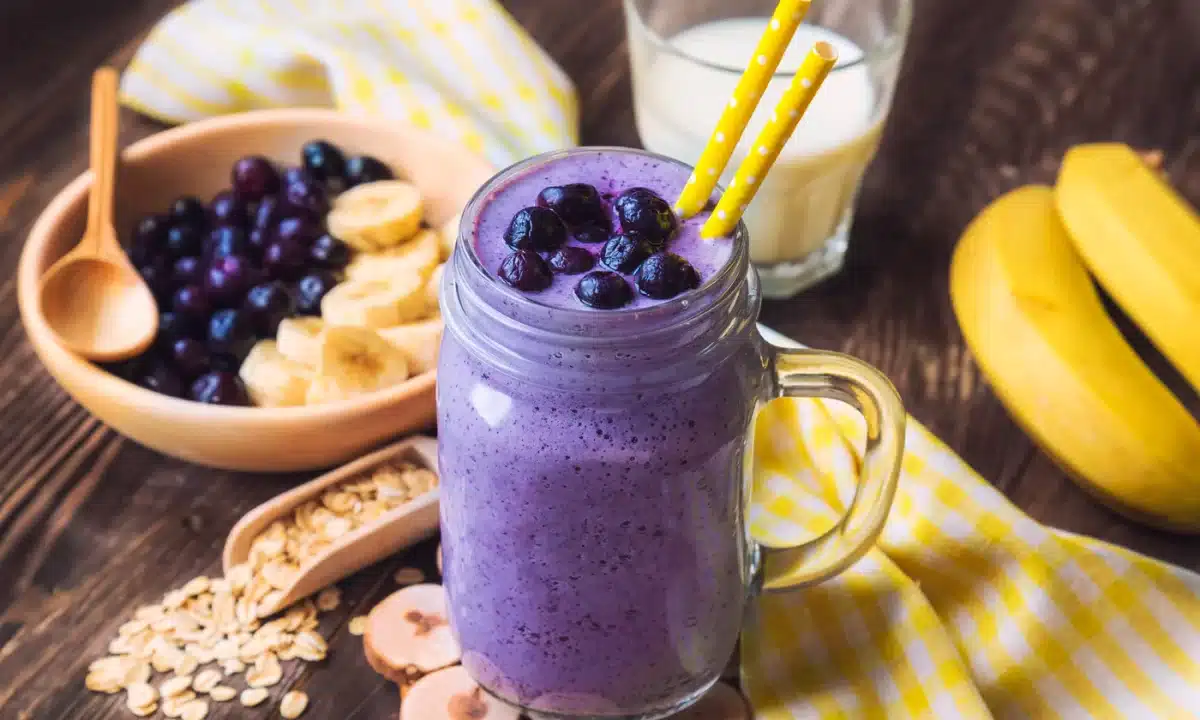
(92, 525)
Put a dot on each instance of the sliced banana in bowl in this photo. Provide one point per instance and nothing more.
(376, 215)
(355, 361)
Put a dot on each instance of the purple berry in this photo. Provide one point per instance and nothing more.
(362, 169)
(157, 277)
(577, 204)
(301, 230)
(257, 242)
(329, 252)
(642, 211)
(227, 208)
(254, 177)
(184, 241)
(172, 326)
(308, 196)
(228, 279)
(324, 161)
(664, 275)
(571, 260)
(220, 388)
(311, 289)
(188, 271)
(285, 259)
(191, 302)
(589, 234)
(149, 237)
(231, 333)
(268, 213)
(604, 290)
(268, 305)
(535, 228)
(162, 379)
(296, 174)
(188, 210)
(624, 253)
(189, 356)
(226, 240)
(130, 370)
(525, 270)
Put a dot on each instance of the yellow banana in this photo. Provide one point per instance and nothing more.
(1036, 327)
(1141, 241)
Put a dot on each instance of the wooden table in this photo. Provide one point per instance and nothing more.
(92, 525)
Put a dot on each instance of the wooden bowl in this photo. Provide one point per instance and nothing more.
(195, 159)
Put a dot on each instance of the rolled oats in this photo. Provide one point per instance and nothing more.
(253, 696)
(222, 693)
(293, 704)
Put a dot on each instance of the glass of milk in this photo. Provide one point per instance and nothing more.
(687, 56)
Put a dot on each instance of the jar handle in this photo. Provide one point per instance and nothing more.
(811, 373)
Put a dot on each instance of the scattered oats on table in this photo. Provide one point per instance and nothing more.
(293, 704)
(358, 625)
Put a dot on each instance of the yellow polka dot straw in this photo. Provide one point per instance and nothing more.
(736, 115)
(770, 141)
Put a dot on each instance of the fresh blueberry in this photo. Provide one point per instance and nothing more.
(624, 253)
(577, 204)
(604, 290)
(268, 213)
(254, 177)
(571, 260)
(643, 211)
(268, 305)
(589, 234)
(308, 196)
(188, 271)
(227, 208)
(227, 240)
(160, 378)
(664, 275)
(157, 276)
(130, 370)
(188, 210)
(190, 301)
(257, 242)
(228, 279)
(172, 326)
(311, 288)
(301, 230)
(184, 241)
(190, 357)
(525, 270)
(149, 237)
(362, 169)
(324, 161)
(535, 228)
(285, 260)
(329, 252)
(231, 333)
(220, 388)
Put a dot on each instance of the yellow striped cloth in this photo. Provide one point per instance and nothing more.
(967, 609)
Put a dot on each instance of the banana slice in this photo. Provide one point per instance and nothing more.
(298, 339)
(355, 361)
(418, 341)
(418, 256)
(272, 379)
(432, 286)
(448, 234)
(375, 303)
(377, 215)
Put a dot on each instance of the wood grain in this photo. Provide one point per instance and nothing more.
(992, 92)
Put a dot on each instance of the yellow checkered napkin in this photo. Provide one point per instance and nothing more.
(461, 68)
(967, 609)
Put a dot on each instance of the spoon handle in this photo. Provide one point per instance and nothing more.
(103, 154)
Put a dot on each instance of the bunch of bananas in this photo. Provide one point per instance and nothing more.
(1020, 286)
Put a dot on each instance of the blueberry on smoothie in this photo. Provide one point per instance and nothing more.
(603, 290)
(577, 204)
(590, 234)
(664, 275)
(571, 260)
(624, 253)
(535, 228)
(644, 212)
(525, 270)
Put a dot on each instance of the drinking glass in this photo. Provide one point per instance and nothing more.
(687, 56)
(595, 472)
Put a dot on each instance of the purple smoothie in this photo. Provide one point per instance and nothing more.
(592, 465)
(610, 174)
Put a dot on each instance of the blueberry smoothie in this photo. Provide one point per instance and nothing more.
(595, 389)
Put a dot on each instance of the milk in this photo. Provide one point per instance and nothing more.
(806, 199)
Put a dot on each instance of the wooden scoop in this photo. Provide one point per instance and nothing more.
(366, 545)
(93, 298)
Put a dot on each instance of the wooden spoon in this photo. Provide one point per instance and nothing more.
(93, 298)
(366, 545)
